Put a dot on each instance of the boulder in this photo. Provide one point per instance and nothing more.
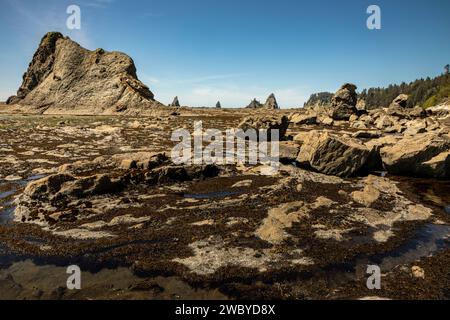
(42, 188)
(344, 102)
(415, 127)
(418, 272)
(332, 155)
(303, 118)
(358, 125)
(368, 196)
(269, 123)
(400, 101)
(171, 173)
(59, 187)
(368, 134)
(288, 151)
(63, 77)
(140, 160)
(326, 121)
(384, 122)
(343, 112)
(438, 166)
(396, 128)
(422, 155)
(406, 113)
(345, 95)
(367, 119)
(271, 103)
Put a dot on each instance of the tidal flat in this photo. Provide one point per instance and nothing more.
(101, 192)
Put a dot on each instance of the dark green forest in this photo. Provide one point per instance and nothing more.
(321, 98)
(422, 92)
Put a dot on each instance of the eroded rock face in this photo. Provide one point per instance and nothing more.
(400, 101)
(332, 155)
(59, 196)
(304, 118)
(66, 77)
(254, 104)
(423, 155)
(344, 102)
(140, 160)
(175, 102)
(59, 186)
(271, 103)
(268, 123)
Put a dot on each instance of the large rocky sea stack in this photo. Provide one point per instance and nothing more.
(63, 77)
(271, 103)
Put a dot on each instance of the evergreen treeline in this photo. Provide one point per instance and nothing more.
(321, 98)
(422, 92)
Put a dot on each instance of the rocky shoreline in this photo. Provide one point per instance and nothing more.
(109, 198)
(87, 179)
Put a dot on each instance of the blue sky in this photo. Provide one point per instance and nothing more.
(235, 50)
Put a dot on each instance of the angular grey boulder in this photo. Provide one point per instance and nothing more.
(330, 154)
(422, 155)
(269, 123)
(401, 101)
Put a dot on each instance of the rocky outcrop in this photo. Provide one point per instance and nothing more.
(269, 123)
(400, 102)
(329, 154)
(422, 155)
(61, 187)
(58, 196)
(271, 103)
(288, 151)
(140, 160)
(175, 103)
(254, 104)
(67, 78)
(406, 113)
(344, 102)
(308, 118)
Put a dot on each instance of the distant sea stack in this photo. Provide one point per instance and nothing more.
(63, 77)
(175, 103)
(254, 104)
(271, 103)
